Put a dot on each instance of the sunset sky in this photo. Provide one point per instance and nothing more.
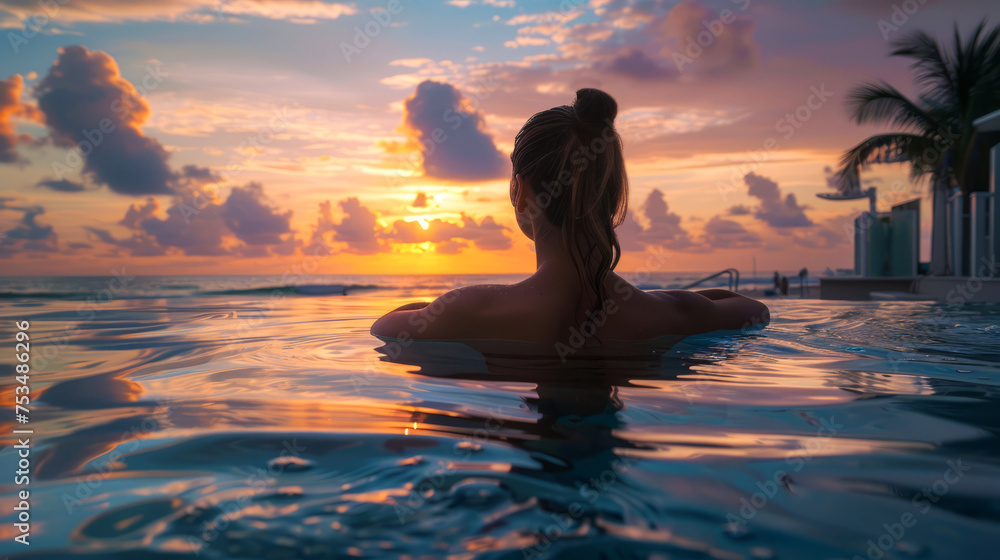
(238, 134)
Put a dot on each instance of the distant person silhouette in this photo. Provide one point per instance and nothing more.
(569, 191)
(784, 285)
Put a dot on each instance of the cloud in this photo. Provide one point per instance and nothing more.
(721, 233)
(198, 11)
(245, 215)
(420, 201)
(830, 176)
(727, 101)
(485, 234)
(361, 232)
(61, 185)
(701, 39)
(450, 247)
(138, 245)
(663, 224)
(10, 107)
(651, 40)
(136, 214)
(776, 211)
(248, 214)
(199, 224)
(88, 105)
(494, 3)
(525, 41)
(324, 223)
(10, 103)
(451, 135)
(358, 229)
(663, 227)
(86, 102)
(103, 235)
(29, 229)
(636, 63)
(200, 233)
(200, 175)
(295, 11)
(782, 213)
(28, 236)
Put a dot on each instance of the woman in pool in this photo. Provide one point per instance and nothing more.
(569, 192)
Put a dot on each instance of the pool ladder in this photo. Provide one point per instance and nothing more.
(734, 279)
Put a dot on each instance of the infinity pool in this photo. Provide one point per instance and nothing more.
(220, 418)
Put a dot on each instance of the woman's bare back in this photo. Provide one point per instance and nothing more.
(544, 311)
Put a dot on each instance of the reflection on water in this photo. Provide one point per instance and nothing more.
(246, 426)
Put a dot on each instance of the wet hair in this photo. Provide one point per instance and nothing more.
(571, 156)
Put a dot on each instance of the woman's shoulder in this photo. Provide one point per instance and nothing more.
(470, 297)
(454, 314)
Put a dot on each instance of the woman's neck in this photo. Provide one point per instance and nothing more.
(551, 253)
(554, 262)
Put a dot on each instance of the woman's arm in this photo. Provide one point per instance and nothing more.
(716, 294)
(411, 306)
(447, 317)
(714, 309)
(400, 322)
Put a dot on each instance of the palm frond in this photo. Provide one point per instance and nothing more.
(958, 81)
(965, 67)
(985, 91)
(934, 71)
(881, 104)
(884, 148)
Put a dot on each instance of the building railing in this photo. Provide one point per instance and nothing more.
(734, 279)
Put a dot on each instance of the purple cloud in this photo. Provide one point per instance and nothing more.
(88, 105)
(453, 140)
(776, 211)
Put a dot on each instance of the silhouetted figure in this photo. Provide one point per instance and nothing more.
(777, 280)
(803, 281)
(569, 206)
(784, 285)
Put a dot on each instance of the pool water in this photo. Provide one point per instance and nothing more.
(218, 418)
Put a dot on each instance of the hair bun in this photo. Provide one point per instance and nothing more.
(594, 107)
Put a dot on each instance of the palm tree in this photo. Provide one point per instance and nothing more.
(935, 134)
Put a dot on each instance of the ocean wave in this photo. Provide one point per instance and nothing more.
(300, 290)
(195, 291)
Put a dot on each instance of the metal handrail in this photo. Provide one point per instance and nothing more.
(734, 279)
